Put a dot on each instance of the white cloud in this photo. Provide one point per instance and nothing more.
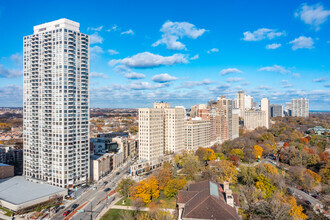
(95, 39)
(134, 75)
(9, 73)
(95, 29)
(128, 73)
(230, 70)
(129, 32)
(296, 75)
(261, 34)
(113, 52)
(213, 50)
(313, 15)
(172, 31)
(146, 85)
(147, 60)
(96, 49)
(319, 80)
(98, 75)
(273, 46)
(113, 28)
(194, 57)
(275, 68)
(234, 79)
(302, 42)
(264, 87)
(17, 58)
(286, 84)
(190, 84)
(163, 78)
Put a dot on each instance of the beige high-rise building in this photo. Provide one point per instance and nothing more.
(300, 107)
(197, 133)
(193, 111)
(161, 131)
(266, 108)
(235, 126)
(241, 102)
(174, 130)
(254, 119)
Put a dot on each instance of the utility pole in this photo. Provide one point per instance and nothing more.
(91, 211)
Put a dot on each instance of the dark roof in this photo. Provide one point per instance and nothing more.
(205, 200)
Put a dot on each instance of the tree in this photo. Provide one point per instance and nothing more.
(247, 175)
(237, 152)
(124, 186)
(296, 211)
(205, 154)
(257, 151)
(316, 177)
(133, 130)
(265, 185)
(274, 208)
(191, 165)
(270, 168)
(224, 170)
(173, 186)
(146, 190)
(163, 175)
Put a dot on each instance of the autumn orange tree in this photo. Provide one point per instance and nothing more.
(265, 185)
(224, 170)
(205, 154)
(146, 190)
(257, 151)
(316, 177)
(296, 210)
(173, 186)
(270, 168)
(163, 175)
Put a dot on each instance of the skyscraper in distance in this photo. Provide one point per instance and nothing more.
(56, 104)
(300, 107)
(264, 104)
(241, 102)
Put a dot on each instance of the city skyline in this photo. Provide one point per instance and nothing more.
(141, 54)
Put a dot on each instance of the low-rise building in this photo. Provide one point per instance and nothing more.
(208, 200)
(101, 165)
(6, 171)
(254, 119)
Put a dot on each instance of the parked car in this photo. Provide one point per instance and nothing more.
(66, 213)
(105, 183)
(316, 196)
(308, 202)
(74, 206)
(299, 187)
(117, 173)
(94, 188)
(107, 189)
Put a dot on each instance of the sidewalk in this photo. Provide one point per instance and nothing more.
(2, 216)
(105, 210)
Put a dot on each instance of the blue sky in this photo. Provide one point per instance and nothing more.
(183, 52)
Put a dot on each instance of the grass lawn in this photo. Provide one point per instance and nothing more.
(8, 212)
(114, 214)
(164, 202)
(127, 202)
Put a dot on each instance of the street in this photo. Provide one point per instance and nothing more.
(96, 199)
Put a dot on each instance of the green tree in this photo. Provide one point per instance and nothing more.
(124, 185)
(173, 186)
(237, 152)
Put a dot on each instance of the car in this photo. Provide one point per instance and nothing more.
(107, 189)
(299, 187)
(105, 183)
(74, 206)
(308, 202)
(66, 213)
(117, 173)
(299, 196)
(94, 188)
(316, 196)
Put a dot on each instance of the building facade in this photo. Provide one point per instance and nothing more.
(56, 104)
(264, 106)
(276, 110)
(300, 107)
(197, 134)
(254, 119)
(161, 131)
(241, 102)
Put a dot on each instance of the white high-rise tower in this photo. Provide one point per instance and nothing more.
(56, 104)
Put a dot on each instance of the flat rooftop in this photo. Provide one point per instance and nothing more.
(17, 190)
(4, 165)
